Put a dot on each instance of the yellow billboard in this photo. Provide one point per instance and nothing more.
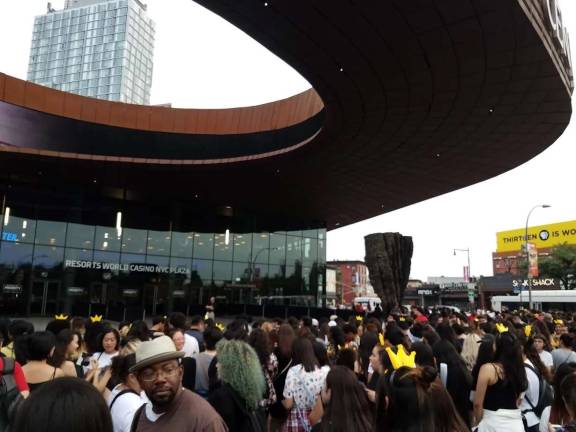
(543, 236)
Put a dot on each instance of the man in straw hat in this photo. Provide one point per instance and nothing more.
(171, 407)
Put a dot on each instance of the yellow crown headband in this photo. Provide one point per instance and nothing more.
(61, 317)
(359, 318)
(381, 339)
(528, 330)
(501, 328)
(401, 359)
(559, 322)
(96, 318)
(219, 326)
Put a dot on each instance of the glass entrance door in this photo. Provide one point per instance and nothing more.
(44, 297)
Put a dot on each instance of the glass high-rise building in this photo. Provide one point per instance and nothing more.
(95, 48)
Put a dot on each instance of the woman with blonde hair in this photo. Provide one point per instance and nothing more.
(242, 386)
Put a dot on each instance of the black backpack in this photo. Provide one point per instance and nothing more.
(10, 397)
(545, 396)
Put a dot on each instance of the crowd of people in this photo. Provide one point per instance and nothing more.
(413, 371)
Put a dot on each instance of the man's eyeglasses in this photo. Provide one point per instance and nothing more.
(149, 375)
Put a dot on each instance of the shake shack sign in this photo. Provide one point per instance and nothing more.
(132, 268)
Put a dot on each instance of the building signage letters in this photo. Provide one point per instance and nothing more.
(535, 283)
(544, 236)
(137, 268)
(553, 18)
(425, 292)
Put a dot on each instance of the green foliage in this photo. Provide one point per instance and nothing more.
(561, 264)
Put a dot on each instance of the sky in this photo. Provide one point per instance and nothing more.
(201, 61)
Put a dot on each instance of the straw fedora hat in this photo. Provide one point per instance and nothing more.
(155, 351)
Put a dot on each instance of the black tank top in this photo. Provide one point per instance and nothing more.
(500, 395)
(35, 386)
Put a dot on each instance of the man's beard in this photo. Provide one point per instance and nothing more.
(163, 400)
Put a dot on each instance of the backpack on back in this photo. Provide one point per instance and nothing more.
(545, 395)
(10, 397)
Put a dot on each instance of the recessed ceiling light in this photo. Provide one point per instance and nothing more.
(437, 155)
(266, 4)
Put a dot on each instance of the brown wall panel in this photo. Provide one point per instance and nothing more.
(274, 115)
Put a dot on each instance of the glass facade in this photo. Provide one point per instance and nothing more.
(97, 49)
(49, 267)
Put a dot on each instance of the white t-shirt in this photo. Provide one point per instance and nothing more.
(546, 358)
(124, 408)
(103, 359)
(191, 346)
(532, 393)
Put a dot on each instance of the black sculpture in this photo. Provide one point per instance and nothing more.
(388, 257)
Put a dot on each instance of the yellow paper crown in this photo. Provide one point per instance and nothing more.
(402, 319)
(61, 317)
(528, 330)
(359, 318)
(96, 318)
(559, 322)
(400, 358)
(219, 326)
(501, 328)
(381, 339)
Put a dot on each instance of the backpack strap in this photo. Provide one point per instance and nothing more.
(8, 366)
(532, 406)
(136, 418)
(122, 393)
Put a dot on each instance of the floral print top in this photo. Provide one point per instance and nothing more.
(304, 386)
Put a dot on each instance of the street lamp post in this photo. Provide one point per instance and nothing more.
(527, 257)
(468, 256)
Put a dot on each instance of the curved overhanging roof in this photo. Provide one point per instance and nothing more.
(411, 99)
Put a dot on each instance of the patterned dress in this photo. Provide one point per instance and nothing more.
(303, 387)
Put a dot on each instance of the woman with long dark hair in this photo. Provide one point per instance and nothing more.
(568, 392)
(260, 341)
(67, 344)
(283, 352)
(345, 403)
(500, 385)
(304, 382)
(403, 403)
(108, 347)
(446, 417)
(557, 414)
(454, 376)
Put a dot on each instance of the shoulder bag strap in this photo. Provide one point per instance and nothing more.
(122, 393)
(136, 418)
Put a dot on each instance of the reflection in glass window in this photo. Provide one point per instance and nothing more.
(134, 240)
(180, 267)
(276, 271)
(260, 247)
(130, 259)
(242, 247)
(222, 251)
(160, 261)
(241, 273)
(19, 229)
(107, 239)
(109, 263)
(260, 271)
(201, 272)
(78, 254)
(159, 242)
(310, 251)
(322, 233)
(222, 271)
(277, 249)
(203, 245)
(80, 236)
(182, 244)
(48, 259)
(50, 233)
(321, 251)
(293, 250)
(313, 233)
(14, 256)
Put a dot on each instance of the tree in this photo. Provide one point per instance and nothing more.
(561, 264)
